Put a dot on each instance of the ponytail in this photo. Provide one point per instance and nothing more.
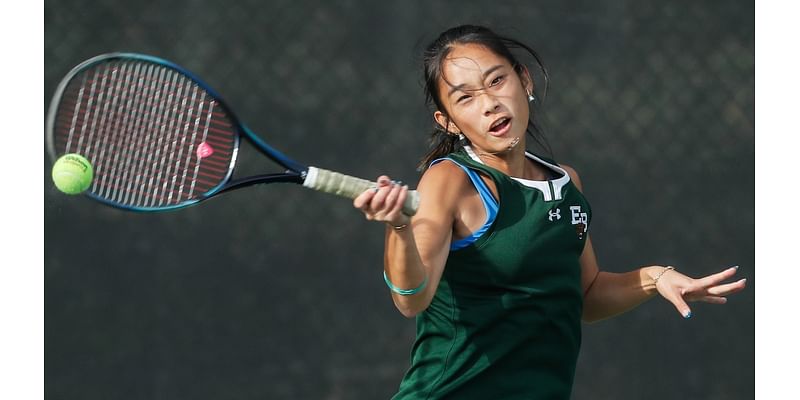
(442, 144)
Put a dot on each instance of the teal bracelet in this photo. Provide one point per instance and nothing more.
(404, 292)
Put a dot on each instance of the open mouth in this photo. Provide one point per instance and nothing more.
(500, 126)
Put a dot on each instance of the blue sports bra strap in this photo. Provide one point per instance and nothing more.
(486, 195)
(483, 190)
(489, 203)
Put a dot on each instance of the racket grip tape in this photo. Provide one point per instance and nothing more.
(351, 187)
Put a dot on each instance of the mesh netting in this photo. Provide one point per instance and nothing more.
(276, 292)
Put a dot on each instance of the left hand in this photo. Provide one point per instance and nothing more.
(680, 289)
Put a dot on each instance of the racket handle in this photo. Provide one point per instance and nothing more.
(350, 187)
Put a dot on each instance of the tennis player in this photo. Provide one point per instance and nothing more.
(497, 265)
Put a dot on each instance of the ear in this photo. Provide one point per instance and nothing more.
(446, 123)
(525, 78)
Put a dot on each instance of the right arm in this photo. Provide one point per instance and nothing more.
(419, 251)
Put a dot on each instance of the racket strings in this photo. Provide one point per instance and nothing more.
(154, 137)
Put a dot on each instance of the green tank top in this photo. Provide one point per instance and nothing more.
(505, 322)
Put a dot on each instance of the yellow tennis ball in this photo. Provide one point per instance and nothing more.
(72, 173)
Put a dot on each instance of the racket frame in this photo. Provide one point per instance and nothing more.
(295, 172)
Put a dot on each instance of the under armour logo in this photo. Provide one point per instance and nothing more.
(555, 213)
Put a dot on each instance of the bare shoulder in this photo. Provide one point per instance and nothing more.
(443, 185)
(444, 176)
(573, 175)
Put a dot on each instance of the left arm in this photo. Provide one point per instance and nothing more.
(607, 294)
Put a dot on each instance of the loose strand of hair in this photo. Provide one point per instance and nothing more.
(511, 43)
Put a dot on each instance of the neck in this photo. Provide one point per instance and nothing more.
(511, 162)
(514, 163)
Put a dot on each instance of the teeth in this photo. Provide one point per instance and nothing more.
(499, 122)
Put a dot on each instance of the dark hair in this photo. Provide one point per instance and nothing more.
(434, 56)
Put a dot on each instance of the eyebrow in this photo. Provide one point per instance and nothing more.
(485, 74)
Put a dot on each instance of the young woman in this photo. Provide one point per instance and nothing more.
(497, 265)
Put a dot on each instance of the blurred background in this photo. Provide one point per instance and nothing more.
(276, 292)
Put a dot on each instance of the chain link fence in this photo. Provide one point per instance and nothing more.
(275, 292)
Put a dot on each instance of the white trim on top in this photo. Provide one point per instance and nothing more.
(542, 186)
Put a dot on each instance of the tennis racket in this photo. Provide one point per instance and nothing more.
(159, 138)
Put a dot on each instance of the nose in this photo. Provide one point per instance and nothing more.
(490, 104)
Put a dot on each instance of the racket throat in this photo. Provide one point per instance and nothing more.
(288, 177)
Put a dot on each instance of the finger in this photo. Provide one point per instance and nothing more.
(383, 180)
(363, 199)
(391, 199)
(383, 183)
(680, 305)
(714, 299)
(379, 200)
(399, 195)
(728, 288)
(713, 280)
(401, 198)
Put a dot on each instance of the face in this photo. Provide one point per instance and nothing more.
(485, 99)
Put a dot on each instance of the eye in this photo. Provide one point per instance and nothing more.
(463, 98)
(498, 80)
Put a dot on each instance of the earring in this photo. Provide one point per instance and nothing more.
(531, 99)
(461, 136)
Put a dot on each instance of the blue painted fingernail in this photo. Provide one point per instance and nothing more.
(688, 315)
